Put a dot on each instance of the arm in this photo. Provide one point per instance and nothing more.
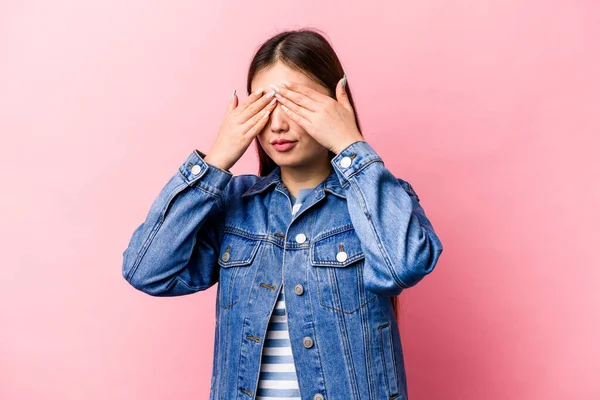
(399, 242)
(174, 251)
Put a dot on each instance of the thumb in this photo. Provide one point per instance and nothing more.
(233, 101)
(341, 94)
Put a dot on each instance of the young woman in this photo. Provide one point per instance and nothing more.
(309, 255)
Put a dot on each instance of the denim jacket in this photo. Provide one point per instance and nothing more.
(359, 237)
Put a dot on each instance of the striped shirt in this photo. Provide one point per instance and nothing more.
(278, 378)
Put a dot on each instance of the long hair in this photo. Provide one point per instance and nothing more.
(308, 51)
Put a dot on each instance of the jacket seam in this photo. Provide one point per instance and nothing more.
(201, 184)
(343, 331)
(364, 322)
(144, 248)
(355, 186)
(360, 169)
(195, 288)
(206, 188)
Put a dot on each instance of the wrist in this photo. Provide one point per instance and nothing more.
(215, 162)
(347, 144)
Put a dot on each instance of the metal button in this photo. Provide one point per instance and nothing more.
(307, 342)
(345, 162)
(318, 396)
(301, 238)
(196, 169)
(225, 256)
(298, 289)
(341, 256)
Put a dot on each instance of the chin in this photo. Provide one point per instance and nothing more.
(286, 160)
(286, 163)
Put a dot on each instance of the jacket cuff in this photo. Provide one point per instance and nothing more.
(352, 159)
(194, 170)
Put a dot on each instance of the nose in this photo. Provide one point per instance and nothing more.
(279, 118)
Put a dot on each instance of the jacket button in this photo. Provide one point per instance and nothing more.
(225, 256)
(196, 169)
(345, 162)
(307, 342)
(301, 238)
(298, 289)
(341, 256)
(318, 396)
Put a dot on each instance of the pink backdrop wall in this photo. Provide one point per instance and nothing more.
(489, 108)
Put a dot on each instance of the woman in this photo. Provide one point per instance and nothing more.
(310, 255)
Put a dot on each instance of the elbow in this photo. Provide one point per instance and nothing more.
(420, 260)
(127, 268)
(143, 279)
(388, 278)
(174, 287)
(139, 284)
(136, 280)
(133, 269)
(133, 273)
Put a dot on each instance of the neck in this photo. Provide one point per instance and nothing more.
(305, 176)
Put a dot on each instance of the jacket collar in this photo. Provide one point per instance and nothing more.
(330, 184)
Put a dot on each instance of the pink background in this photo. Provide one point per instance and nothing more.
(489, 108)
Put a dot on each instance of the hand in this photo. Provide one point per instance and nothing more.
(241, 124)
(329, 121)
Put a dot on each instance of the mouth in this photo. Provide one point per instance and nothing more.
(282, 141)
(283, 144)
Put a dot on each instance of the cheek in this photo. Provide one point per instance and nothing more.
(261, 142)
(260, 137)
(310, 141)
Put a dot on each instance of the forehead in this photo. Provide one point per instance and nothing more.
(279, 71)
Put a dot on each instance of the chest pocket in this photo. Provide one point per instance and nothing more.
(338, 262)
(237, 254)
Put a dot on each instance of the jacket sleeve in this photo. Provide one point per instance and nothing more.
(396, 236)
(174, 251)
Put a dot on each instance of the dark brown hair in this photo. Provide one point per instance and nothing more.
(305, 50)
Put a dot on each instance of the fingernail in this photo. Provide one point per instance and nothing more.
(271, 94)
(285, 83)
(275, 87)
(344, 81)
(232, 94)
(258, 91)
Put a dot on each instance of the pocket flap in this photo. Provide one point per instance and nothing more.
(237, 250)
(337, 249)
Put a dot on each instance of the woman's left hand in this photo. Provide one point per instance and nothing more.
(329, 121)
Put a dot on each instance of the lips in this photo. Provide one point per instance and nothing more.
(283, 145)
(282, 141)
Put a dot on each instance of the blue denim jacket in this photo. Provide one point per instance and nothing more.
(359, 237)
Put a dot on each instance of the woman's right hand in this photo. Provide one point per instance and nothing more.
(241, 124)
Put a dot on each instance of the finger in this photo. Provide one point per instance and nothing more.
(301, 92)
(303, 112)
(261, 121)
(249, 100)
(341, 94)
(256, 106)
(298, 98)
(258, 118)
(233, 101)
(297, 118)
